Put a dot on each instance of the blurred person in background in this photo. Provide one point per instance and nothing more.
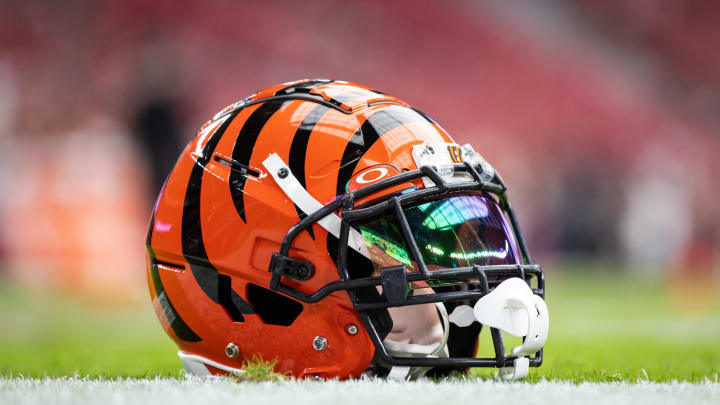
(656, 221)
(157, 111)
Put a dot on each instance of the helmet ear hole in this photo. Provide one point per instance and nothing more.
(273, 308)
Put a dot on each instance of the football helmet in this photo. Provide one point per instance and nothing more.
(338, 231)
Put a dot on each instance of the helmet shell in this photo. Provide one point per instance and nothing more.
(220, 216)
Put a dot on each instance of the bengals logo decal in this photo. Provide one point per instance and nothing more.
(455, 153)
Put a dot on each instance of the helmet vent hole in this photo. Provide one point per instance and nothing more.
(236, 166)
(273, 308)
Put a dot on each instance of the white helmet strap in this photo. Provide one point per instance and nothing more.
(306, 202)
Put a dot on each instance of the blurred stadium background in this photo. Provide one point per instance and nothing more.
(602, 116)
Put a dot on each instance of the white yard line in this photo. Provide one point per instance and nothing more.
(161, 391)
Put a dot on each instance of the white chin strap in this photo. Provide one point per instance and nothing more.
(512, 308)
(406, 349)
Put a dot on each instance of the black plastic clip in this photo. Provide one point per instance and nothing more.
(296, 269)
(395, 284)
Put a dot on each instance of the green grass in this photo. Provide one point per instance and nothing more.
(608, 329)
(601, 329)
(52, 335)
(257, 369)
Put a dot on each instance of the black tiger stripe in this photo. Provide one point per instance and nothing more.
(358, 144)
(193, 247)
(178, 325)
(298, 151)
(303, 87)
(244, 145)
(376, 125)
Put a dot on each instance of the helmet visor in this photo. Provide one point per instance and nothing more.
(456, 231)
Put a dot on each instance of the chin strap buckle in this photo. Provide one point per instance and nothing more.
(296, 269)
(513, 308)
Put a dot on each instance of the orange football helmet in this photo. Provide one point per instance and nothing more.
(332, 228)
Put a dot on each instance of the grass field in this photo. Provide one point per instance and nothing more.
(602, 329)
(73, 391)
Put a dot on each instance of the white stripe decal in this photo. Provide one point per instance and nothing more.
(308, 204)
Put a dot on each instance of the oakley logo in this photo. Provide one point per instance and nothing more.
(372, 175)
